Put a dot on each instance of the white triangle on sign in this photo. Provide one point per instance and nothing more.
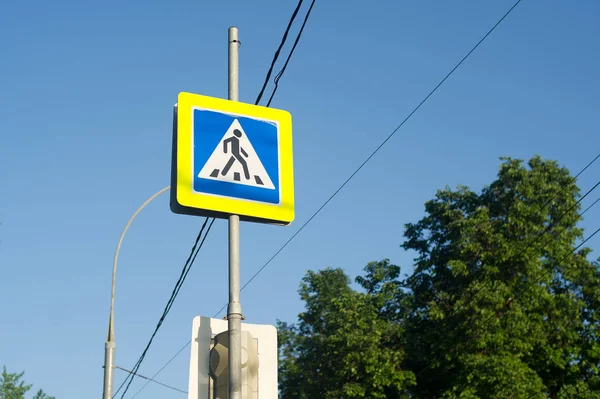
(235, 161)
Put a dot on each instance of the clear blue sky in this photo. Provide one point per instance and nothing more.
(86, 95)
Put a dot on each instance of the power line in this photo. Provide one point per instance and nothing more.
(151, 380)
(258, 98)
(184, 272)
(186, 268)
(187, 343)
(280, 74)
(378, 147)
(162, 368)
(545, 231)
(276, 55)
(583, 242)
(552, 225)
(189, 262)
(572, 180)
(362, 164)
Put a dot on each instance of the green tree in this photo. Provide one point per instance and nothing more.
(501, 304)
(335, 351)
(13, 387)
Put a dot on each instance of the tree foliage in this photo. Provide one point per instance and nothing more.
(334, 352)
(501, 303)
(12, 386)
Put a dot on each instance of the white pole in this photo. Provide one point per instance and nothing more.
(109, 346)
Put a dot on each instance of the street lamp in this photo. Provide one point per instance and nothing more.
(109, 347)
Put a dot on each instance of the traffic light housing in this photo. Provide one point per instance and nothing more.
(208, 359)
(218, 370)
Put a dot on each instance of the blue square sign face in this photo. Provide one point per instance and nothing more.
(235, 156)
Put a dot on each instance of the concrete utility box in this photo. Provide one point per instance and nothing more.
(208, 360)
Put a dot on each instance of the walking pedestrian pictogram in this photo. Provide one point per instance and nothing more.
(235, 160)
(236, 156)
(232, 158)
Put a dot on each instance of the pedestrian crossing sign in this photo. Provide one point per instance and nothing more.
(232, 158)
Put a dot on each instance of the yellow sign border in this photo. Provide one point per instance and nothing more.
(219, 205)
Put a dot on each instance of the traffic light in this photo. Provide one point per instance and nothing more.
(219, 378)
(209, 358)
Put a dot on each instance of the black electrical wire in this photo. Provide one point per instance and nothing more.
(184, 272)
(269, 72)
(162, 368)
(152, 380)
(287, 61)
(276, 55)
(379, 147)
(335, 193)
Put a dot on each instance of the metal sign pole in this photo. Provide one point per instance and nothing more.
(234, 308)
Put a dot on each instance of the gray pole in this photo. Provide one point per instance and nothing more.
(109, 361)
(109, 346)
(234, 308)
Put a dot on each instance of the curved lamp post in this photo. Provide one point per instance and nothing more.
(109, 348)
